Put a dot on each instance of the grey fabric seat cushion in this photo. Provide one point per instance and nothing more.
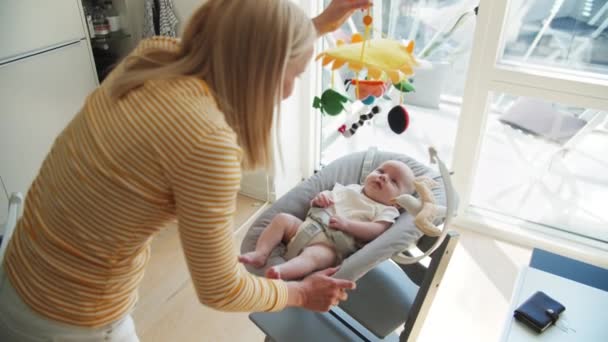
(347, 170)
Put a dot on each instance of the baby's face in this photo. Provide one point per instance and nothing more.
(388, 181)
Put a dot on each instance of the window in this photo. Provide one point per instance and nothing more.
(525, 129)
(560, 35)
(533, 129)
(543, 163)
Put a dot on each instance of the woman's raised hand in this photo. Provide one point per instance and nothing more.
(336, 13)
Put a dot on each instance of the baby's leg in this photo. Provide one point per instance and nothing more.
(282, 227)
(312, 258)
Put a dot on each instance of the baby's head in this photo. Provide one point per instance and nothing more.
(391, 179)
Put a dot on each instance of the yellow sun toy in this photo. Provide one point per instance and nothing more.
(385, 62)
(381, 58)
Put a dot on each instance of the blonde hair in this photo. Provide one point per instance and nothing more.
(240, 48)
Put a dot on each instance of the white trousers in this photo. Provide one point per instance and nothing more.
(19, 323)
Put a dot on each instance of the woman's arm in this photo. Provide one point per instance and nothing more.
(205, 185)
(336, 13)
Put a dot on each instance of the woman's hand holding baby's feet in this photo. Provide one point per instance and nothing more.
(254, 259)
(273, 273)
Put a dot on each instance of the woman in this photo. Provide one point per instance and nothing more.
(163, 137)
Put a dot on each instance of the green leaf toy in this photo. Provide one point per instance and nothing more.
(331, 102)
(404, 86)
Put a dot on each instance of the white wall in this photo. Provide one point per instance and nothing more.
(37, 101)
(289, 145)
(183, 10)
(131, 21)
(40, 93)
(299, 138)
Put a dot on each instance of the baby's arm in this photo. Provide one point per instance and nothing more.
(363, 231)
(323, 199)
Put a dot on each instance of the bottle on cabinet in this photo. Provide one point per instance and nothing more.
(112, 16)
(100, 23)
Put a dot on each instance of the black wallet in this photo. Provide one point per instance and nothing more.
(539, 311)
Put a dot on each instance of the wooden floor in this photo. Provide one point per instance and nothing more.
(168, 309)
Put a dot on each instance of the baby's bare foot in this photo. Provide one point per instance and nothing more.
(273, 273)
(254, 259)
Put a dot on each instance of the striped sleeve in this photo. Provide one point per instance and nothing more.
(205, 185)
(162, 42)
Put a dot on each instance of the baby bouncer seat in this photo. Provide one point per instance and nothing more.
(390, 296)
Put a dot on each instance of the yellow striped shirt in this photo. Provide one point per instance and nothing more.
(116, 175)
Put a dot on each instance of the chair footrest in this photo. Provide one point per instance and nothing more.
(299, 325)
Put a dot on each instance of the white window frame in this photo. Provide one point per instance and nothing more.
(485, 75)
(311, 85)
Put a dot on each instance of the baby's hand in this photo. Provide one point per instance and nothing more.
(322, 200)
(338, 223)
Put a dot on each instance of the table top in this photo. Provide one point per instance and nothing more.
(580, 287)
(570, 269)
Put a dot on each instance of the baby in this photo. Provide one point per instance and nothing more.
(340, 222)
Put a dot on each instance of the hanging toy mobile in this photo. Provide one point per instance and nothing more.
(369, 90)
(353, 128)
(387, 63)
(404, 86)
(398, 116)
(398, 119)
